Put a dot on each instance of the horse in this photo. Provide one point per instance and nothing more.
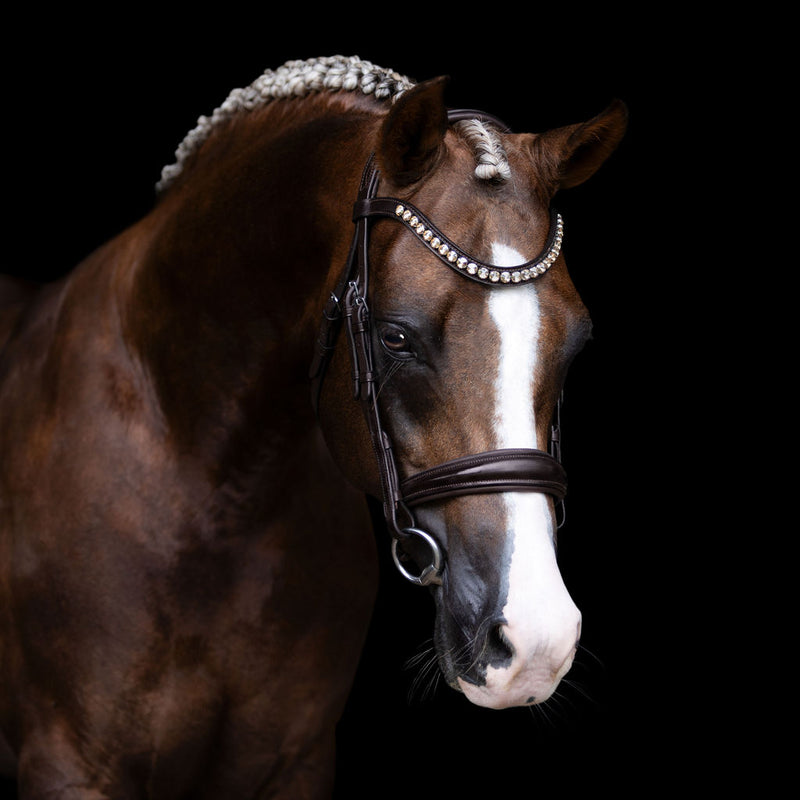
(344, 289)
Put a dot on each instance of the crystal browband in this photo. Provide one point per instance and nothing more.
(451, 255)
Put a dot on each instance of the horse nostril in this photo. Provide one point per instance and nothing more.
(498, 648)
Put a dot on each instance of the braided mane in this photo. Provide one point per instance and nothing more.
(334, 73)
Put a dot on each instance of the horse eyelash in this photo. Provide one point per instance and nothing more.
(395, 365)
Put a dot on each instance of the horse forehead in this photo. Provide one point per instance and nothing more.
(504, 221)
(477, 214)
(503, 230)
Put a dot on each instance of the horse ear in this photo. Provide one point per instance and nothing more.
(413, 132)
(576, 152)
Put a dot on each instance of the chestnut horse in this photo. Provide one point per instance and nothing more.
(188, 563)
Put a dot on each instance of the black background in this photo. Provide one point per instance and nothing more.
(95, 107)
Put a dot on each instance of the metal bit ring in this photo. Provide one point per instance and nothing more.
(431, 574)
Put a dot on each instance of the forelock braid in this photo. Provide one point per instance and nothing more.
(492, 161)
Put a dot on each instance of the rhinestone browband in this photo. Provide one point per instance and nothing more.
(439, 244)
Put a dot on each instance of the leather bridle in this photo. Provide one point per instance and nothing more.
(523, 469)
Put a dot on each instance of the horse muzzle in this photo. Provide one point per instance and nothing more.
(503, 663)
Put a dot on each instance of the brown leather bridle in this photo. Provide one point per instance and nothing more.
(507, 470)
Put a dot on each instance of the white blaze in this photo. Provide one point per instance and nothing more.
(542, 620)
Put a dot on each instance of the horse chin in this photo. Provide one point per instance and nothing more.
(494, 694)
(498, 694)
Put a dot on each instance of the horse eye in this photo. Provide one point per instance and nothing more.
(395, 341)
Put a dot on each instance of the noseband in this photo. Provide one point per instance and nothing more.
(492, 471)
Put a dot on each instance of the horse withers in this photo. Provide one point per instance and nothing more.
(188, 564)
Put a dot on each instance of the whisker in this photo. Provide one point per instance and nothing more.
(541, 713)
(429, 675)
(480, 633)
(562, 701)
(423, 655)
(426, 681)
(583, 649)
(578, 687)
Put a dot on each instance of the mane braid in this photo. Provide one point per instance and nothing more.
(331, 74)
(293, 79)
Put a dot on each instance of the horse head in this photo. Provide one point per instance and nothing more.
(471, 363)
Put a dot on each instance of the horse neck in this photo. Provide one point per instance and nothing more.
(225, 304)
